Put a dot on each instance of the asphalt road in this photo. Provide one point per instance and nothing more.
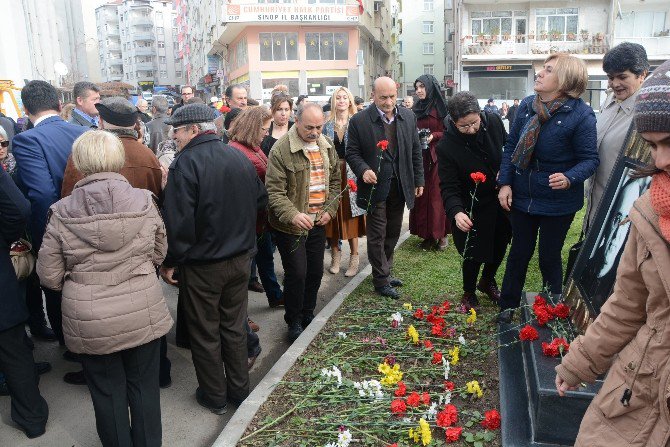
(185, 423)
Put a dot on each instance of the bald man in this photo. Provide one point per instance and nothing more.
(389, 179)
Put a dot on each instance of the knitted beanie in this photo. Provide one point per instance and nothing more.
(652, 106)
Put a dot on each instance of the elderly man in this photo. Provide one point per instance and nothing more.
(303, 181)
(408, 102)
(142, 107)
(86, 95)
(211, 201)
(236, 96)
(388, 178)
(158, 130)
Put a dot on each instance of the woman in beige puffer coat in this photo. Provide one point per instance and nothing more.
(101, 246)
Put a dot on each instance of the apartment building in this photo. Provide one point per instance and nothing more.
(138, 43)
(312, 46)
(500, 46)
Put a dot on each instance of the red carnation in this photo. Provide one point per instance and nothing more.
(453, 434)
(528, 333)
(352, 185)
(549, 350)
(491, 420)
(436, 330)
(395, 444)
(539, 301)
(402, 389)
(425, 398)
(448, 416)
(418, 314)
(542, 315)
(449, 385)
(413, 399)
(398, 406)
(224, 109)
(478, 177)
(446, 305)
(394, 323)
(437, 358)
(556, 347)
(383, 145)
(428, 344)
(561, 310)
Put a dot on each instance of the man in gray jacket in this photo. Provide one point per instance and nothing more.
(157, 128)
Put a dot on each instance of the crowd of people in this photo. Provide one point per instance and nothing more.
(113, 198)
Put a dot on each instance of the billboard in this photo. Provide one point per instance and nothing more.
(275, 12)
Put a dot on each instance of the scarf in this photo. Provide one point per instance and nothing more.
(543, 113)
(433, 100)
(660, 201)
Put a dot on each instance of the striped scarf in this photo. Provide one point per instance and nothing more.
(543, 113)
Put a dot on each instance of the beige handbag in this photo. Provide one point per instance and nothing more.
(22, 258)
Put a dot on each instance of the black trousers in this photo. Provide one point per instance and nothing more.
(471, 267)
(53, 305)
(383, 226)
(29, 409)
(215, 305)
(123, 379)
(525, 228)
(302, 259)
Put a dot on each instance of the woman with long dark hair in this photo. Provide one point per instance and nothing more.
(427, 219)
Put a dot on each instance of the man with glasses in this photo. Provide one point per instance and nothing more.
(186, 94)
(211, 201)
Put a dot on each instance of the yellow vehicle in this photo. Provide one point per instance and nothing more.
(7, 89)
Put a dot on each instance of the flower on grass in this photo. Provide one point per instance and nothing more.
(351, 183)
(561, 310)
(413, 334)
(558, 346)
(449, 385)
(432, 412)
(453, 434)
(396, 320)
(395, 444)
(436, 330)
(333, 372)
(491, 420)
(472, 317)
(461, 339)
(437, 358)
(478, 177)
(445, 398)
(369, 388)
(392, 375)
(528, 333)
(407, 306)
(390, 359)
(418, 314)
(413, 400)
(383, 145)
(398, 406)
(447, 367)
(425, 398)
(428, 344)
(426, 435)
(454, 353)
(474, 388)
(402, 389)
(448, 416)
(343, 439)
(341, 335)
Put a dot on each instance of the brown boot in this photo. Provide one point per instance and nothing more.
(254, 327)
(335, 260)
(490, 288)
(469, 300)
(354, 260)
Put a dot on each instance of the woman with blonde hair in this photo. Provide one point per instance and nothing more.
(349, 224)
(114, 312)
(550, 152)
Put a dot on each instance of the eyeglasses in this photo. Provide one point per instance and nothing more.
(468, 126)
(4, 143)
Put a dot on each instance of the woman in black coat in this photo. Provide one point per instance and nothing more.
(473, 142)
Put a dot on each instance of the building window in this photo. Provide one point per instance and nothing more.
(427, 5)
(428, 69)
(327, 46)
(163, 74)
(400, 48)
(428, 28)
(160, 30)
(159, 16)
(641, 24)
(162, 59)
(491, 23)
(450, 65)
(279, 46)
(161, 44)
(557, 22)
(428, 48)
(177, 74)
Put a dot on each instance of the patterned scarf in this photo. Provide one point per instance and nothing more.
(660, 201)
(543, 113)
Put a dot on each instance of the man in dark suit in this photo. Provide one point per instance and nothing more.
(511, 113)
(86, 95)
(388, 179)
(41, 154)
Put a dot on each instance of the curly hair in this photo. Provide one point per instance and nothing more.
(246, 129)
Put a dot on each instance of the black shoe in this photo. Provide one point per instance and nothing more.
(75, 378)
(469, 300)
(71, 356)
(276, 303)
(43, 332)
(396, 282)
(4, 389)
(506, 316)
(255, 286)
(42, 367)
(306, 320)
(294, 331)
(388, 291)
(32, 434)
(204, 402)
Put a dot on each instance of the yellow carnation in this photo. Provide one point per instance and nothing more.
(413, 334)
(454, 353)
(473, 317)
(426, 436)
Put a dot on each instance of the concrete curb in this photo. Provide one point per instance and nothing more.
(237, 425)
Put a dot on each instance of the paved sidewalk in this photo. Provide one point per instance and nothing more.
(185, 423)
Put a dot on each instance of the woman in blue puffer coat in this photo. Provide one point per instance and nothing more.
(550, 152)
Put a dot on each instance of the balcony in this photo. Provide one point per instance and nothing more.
(147, 66)
(115, 76)
(144, 51)
(115, 61)
(143, 36)
(655, 46)
(114, 46)
(490, 47)
(141, 21)
(112, 31)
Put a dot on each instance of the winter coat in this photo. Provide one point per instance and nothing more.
(566, 144)
(14, 215)
(158, 131)
(631, 331)
(101, 247)
(287, 180)
(457, 159)
(366, 129)
(210, 203)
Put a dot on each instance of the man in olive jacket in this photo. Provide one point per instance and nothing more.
(388, 179)
(303, 183)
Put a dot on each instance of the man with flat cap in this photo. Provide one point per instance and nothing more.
(142, 170)
(211, 200)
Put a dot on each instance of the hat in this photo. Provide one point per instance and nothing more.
(191, 113)
(492, 100)
(652, 105)
(213, 99)
(117, 111)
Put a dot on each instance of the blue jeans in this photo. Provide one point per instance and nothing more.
(266, 266)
